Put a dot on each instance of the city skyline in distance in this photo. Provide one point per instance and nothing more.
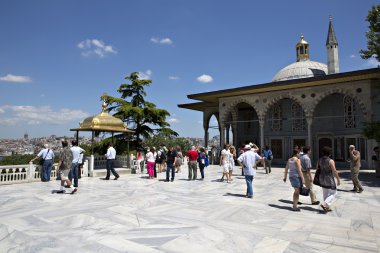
(57, 59)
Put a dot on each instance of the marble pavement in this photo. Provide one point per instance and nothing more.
(135, 214)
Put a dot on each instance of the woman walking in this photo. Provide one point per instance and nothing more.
(202, 162)
(295, 177)
(327, 172)
(150, 163)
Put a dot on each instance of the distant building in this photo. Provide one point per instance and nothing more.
(307, 103)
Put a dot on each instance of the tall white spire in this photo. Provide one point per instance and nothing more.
(332, 50)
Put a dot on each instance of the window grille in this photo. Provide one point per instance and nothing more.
(349, 111)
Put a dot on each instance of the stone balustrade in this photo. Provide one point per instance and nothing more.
(11, 174)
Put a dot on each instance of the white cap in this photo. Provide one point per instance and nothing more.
(247, 146)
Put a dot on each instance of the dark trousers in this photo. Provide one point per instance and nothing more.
(170, 167)
(202, 169)
(74, 173)
(110, 165)
(155, 169)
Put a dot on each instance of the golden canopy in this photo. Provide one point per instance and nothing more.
(103, 122)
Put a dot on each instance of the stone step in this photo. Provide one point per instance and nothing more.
(120, 171)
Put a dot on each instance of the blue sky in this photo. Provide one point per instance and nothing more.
(58, 57)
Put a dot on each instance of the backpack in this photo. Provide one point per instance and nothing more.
(163, 155)
(270, 155)
(206, 161)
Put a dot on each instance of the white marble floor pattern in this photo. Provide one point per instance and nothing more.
(136, 214)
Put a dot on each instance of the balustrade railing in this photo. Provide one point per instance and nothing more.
(11, 174)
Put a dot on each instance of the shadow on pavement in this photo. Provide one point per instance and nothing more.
(235, 195)
(367, 179)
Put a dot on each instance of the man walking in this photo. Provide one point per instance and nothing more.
(355, 168)
(110, 165)
(268, 156)
(248, 162)
(171, 158)
(64, 165)
(74, 172)
(193, 156)
(305, 167)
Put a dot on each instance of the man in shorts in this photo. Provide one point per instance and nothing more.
(64, 165)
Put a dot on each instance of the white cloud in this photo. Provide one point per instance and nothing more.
(173, 120)
(15, 79)
(173, 77)
(32, 115)
(372, 63)
(95, 47)
(205, 78)
(164, 41)
(146, 75)
(352, 56)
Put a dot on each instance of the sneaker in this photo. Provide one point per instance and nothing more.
(296, 209)
(115, 178)
(360, 191)
(74, 191)
(171, 180)
(315, 203)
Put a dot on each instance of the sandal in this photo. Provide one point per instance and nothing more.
(325, 209)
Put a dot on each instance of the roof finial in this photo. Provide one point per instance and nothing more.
(104, 105)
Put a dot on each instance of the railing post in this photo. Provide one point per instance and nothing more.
(31, 172)
(85, 168)
(91, 166)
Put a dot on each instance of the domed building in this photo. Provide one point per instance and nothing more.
(307, 103)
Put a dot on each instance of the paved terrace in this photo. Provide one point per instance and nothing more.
(135, 214)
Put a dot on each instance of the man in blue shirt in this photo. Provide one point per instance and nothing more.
(48, 158)
(268, 156)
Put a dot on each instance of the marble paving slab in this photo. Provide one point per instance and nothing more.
(136, 214)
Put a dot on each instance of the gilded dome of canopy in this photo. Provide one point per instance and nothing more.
(301, 69)
(103, 122)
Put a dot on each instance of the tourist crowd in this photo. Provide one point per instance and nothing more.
(170, 160)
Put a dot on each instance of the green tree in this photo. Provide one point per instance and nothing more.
(169, 141)
(372, 129)
(140, 115)
(373, 35)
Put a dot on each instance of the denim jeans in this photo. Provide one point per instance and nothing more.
(249, 181)
(74, 173)
(46, 170)
(170, 167)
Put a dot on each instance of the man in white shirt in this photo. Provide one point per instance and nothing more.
(248, 162)
(111, 155)
(76, 151)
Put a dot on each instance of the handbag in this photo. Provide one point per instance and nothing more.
(304, 191)
(316, 177)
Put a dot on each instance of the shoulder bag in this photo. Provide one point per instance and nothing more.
(43, 159)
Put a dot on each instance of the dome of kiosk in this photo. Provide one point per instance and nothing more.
(301, 69)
